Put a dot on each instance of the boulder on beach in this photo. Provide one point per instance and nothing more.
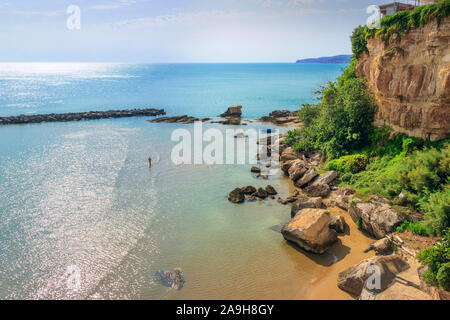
(233, 111)
(310, 230)
(377, 216)
(304, 203)
(236, 196)
(353, 279)
(173, 279)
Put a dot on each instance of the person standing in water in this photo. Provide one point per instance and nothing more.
(149, 162)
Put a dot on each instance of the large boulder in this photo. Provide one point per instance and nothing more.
(236, 196)
(354, 278)
(377, 216)
(310, 230)
(297, 170)
(306, 178)
(304, 203)
(233, 111)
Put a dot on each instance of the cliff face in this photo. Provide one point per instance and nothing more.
(410, 80)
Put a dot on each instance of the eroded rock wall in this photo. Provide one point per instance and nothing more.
(410, 80)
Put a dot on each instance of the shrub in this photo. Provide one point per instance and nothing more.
(308, 113)
(415, 227)
(437, 259)
(352, 163)
(437, 211)
(342, 120)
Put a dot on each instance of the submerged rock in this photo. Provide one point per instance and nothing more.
(310, 230)
(173, 279)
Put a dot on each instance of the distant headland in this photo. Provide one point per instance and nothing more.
(343, 58)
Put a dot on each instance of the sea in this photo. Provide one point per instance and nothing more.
(82, 216)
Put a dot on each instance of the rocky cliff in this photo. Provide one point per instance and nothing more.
(410, 80)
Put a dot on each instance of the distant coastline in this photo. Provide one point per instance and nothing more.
(343, 58)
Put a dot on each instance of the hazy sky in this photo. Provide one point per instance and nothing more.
(179, 30)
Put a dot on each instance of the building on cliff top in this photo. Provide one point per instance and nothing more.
(395, 7)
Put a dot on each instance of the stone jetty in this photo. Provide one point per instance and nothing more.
(91, 115)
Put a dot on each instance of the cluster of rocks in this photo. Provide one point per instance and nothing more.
(281, 117)
(80, 116)
(238, 194)
(302, 170)
(179, 119)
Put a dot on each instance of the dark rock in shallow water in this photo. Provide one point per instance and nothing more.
(261, 193)
(236, 196)
(173, 279)
(248, 190)
(91, 115)
(255, 170)
(271, 190)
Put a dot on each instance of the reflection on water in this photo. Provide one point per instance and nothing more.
(81, 194)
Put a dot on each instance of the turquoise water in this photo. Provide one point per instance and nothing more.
(201, 90)
(81, 193)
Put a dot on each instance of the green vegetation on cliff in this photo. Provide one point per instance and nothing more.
(341, 122)
(409, 171)
(437, 258)
(399, 23)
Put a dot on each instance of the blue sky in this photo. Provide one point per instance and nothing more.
(179, 30)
